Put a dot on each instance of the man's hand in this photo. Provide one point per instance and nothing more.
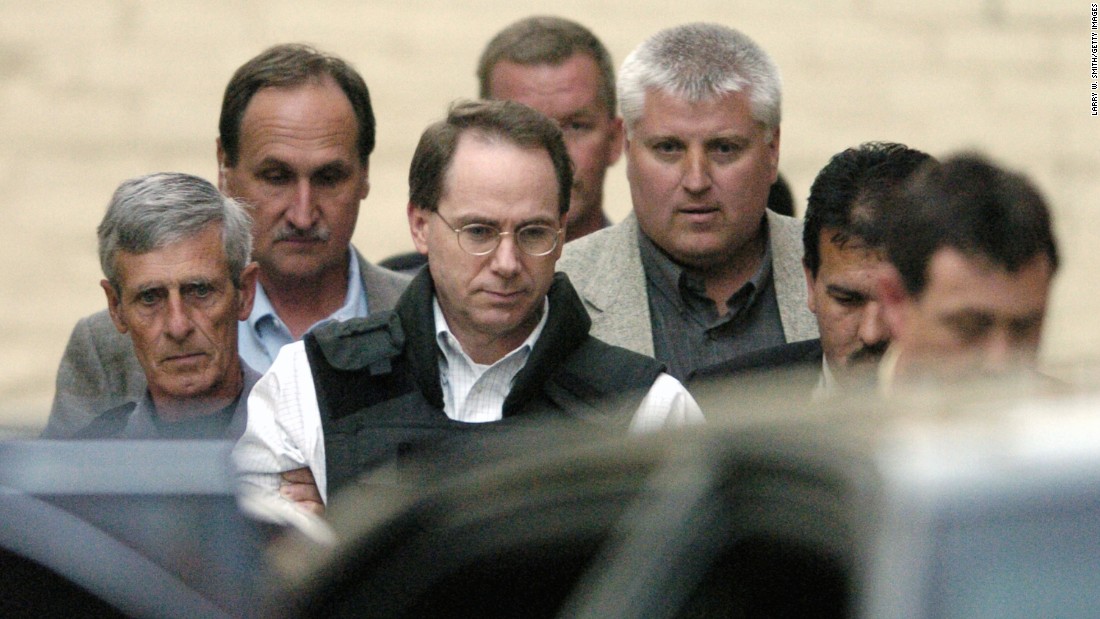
(299, 486)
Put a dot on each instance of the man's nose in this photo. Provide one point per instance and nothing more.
(872, 325)
(999, 352)
(696, 173)
(506, 258)
(179, 324)
(300, 212)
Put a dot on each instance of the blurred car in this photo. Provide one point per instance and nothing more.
(124, 529)
(971, 503)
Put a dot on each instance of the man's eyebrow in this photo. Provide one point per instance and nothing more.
(465, 220)
(726, 138)
(837, 288)
(272, 162)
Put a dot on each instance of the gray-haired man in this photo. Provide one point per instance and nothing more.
(176, 256)
(700, 272)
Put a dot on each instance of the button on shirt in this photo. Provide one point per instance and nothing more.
(263, 334)
(688, 333)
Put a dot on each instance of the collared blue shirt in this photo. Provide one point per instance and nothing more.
(263, 334)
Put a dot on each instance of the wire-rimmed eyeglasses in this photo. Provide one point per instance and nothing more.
(481, 239)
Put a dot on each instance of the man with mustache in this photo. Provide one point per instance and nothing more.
(701, 272)
(843, 259)
(175, 253)
(295, 137)
(487, 343)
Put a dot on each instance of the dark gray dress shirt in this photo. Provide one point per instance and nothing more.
(688, 333)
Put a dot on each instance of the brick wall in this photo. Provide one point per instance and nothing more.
(96, 91)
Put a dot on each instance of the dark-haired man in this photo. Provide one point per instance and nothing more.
(296, 134)
(486, 340)
(843, 258)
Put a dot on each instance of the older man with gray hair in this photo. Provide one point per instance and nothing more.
(176, 256)
(701, 272)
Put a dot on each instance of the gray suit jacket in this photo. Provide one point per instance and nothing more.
(606, 269)
(99, 371)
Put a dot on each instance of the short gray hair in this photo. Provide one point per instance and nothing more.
(697, 62)
(150, 212)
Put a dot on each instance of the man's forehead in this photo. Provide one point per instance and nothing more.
(314, 114)
(836, 247)
(569, 87)
(727, 114)
(199, 257)
(958, 279)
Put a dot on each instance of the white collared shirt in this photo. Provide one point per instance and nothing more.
(473, 392)
(263, 333)
(284, 422)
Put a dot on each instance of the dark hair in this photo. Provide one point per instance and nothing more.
(546, 40)
(970, 205)
(780, 199)
(849, 192)
(504, 120)
(289, 65)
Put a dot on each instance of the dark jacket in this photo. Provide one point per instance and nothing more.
(381, 400)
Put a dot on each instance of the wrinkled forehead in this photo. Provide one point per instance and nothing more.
(197, 257)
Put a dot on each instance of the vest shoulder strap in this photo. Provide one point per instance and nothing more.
(369, 343)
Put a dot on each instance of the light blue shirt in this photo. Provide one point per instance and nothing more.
(263, 334)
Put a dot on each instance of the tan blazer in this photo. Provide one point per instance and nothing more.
(606, 269)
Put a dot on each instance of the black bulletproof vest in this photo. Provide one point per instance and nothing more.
(381, 403)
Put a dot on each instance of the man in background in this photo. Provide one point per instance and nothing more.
(561, 69)
(178, 275)
(701, 272)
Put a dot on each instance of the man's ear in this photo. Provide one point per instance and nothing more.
(617, 141)
(811, 298)
(114, 306)
(365, 189)
(773, 152)
(418, 227)
(248, 290)
(221, 164)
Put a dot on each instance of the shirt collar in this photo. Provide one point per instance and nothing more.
(451, 347)
(668, 275)
(355, 302)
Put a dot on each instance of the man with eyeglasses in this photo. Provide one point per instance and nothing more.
(486, 344)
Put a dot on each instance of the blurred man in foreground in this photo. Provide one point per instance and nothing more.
(176, 256)
(975, 255)
(296, 134)
(486, 340)
(701, 272)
